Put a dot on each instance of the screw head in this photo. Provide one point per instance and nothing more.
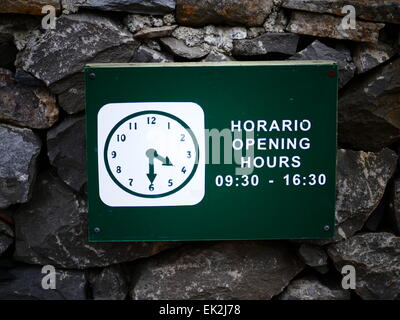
(92, 76)
(326, 228)
(97, 229)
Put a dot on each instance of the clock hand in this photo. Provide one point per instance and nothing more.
(151, 154)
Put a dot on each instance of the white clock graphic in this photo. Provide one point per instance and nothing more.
(151, 154)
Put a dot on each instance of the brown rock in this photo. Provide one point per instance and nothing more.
(380, 10)
(202, 12)
(158, 32)
(32, 107)
(325, 25)
(33, 7)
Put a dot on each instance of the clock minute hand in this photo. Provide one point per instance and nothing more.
(151, 154)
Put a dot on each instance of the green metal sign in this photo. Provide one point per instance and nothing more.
(211, 151)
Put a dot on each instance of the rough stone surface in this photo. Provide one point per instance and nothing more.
(51, 229)
(361, 181)
(229, 270)
(77, 40)
(157, 7)
(202, 12)
(6, 236)
(369, 111)
(367, 55)
(66, 148)
(27, 285)
(26, 106)
(19, 149)
(319, 51)
(215, 56)
(395, 205)
(310, 288)
(179, 48)
(109, 283)
(25, 78)
(27, 7)
(323, 25)
(146, 54)
(276, 21)
(376, 259)
(382, 10)
(210, 37)
(157, 32)
(314, 256)
(285, 43)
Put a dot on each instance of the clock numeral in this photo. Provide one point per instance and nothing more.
(170, 183)
(113, 154)
(182, 137)
(134, 126)
(121, 137)
(130, 182)
(151, 120)
(118, 169)
(169, 126)
(184, 170)
(189, 154)
(151, 187)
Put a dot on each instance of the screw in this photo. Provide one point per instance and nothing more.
(326, 228)
(92, 76)
(97, 229)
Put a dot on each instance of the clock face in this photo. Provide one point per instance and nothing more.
(151, 154)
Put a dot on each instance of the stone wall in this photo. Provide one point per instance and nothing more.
(42, 148)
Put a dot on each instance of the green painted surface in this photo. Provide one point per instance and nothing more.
(226, 92)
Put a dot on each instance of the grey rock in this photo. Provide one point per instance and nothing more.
(382, 10)
(66, 148)
(77, 40)
(179, 48)
(137, 22)
(19, 149)
(51, 229)
(369, 111)
(25, 78)
(157, 32)
(395, 205)
(328, 26)
(145, 54)
(229, 270)
(285, 43)
(361, 182)
(376, 259)
(369, 55)
(276, 21)
(109, 283)
(202, 12)
(6, 236)
(310, 288)
(70, 285)
(314, 256)
(156, 7)
(215, 56)
(319, 51)
(22, 105)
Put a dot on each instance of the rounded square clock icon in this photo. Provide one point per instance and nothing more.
(151, 154)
